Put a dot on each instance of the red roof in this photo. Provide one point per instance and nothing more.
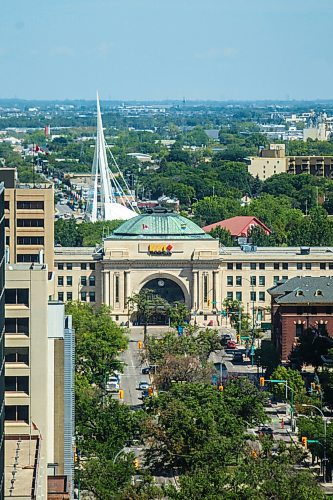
(238, 226)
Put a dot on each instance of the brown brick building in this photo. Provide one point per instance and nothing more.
(298, 304)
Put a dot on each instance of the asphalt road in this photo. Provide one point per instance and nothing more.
(132, 372)
(64, 209)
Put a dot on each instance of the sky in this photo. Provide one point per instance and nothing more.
(166, 49)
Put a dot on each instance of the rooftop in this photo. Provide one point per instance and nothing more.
(159, 224)
(304, 290)
(239, 225)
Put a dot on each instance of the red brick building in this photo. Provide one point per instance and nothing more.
(298, 304)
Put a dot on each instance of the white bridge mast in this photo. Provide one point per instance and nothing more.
(101, 202)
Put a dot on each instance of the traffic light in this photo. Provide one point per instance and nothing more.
(221, 388)
(150, 391)
(262, 381)
(305, 442)
(121, 394)
(238, 338)
(136, 463)
(208, 302)
(254, 454)
(140, 344)
(319, 388)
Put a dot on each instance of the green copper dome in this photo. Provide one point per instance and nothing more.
(159, 225)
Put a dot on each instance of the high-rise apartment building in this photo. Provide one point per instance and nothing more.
(29, 220)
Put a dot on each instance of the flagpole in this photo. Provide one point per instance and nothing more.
(33, 164)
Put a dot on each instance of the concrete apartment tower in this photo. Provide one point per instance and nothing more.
(2, 327)
(39, 351)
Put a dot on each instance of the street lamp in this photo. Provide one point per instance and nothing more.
(325, 436)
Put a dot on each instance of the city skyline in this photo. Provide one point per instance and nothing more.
(151, 50)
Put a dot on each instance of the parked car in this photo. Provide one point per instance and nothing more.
(112, 385)
(143, 385)
(266, 431)
(146, 370)
(231, 344)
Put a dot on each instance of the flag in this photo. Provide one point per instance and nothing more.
(37, 148)
(144, 226)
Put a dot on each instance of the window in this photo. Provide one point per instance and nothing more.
(262, 266)
(285, 266)
(60, 266)
(261, 296)
(330, 265)
(17, 384)
(84, 296)
(69, 280)
(253, 266)
(323, 265)
(253, 280)
(308, 266)
(30, 222)
(253, 296)
(92, 280)
(239, 266)
(238, 280)
(83, 266)
(17, 355)
(313, 310)
(60, 281)
(61, 296)
(230, 296)
(17, 413)
(30, 205)
(205, 284)
(7, 205)
(328, 310)
(27, 257)
(69, 296)
(84, 280)
(30, 240)
(276, 265)
(230, 266)
(262, 280)
(92, 296)
(275, 279)
(230, 280)
(299, 266)
(7, 240)
(284, 278)
(300, 310)
(299, 330)
(69, 266)
(18, 296)
(6, 222)
(17, 325)
(92, 266)
(239, 296)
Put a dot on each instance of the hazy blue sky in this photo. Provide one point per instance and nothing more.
(159, 49)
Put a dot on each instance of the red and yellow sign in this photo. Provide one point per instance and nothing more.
(160, 249)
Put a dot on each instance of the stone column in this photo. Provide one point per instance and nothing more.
(200, 290)
(122, 290)
(106, 288)
(195, 304)
(128, 291)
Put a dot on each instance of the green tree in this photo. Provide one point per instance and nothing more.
(267, 356)
(146, 305)
(294, 380)
(223, 235)
(98, 341)
(214, 209)
(178, 314)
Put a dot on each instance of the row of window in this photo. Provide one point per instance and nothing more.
(84, 266)
(85, 280)
(313, 310)
(30, 240)
(17, 413)
(19, 296)
(17, 384)
(253, 296)
(17, 326)
(279, 265)
(17, 355)
(27, 257)
(239, 280)
(84, 296)
(27, 205)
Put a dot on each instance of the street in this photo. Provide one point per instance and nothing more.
(132, 372)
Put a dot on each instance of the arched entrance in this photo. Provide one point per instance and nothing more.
(169, 291)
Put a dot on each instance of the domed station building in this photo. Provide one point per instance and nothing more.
(166, 253)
